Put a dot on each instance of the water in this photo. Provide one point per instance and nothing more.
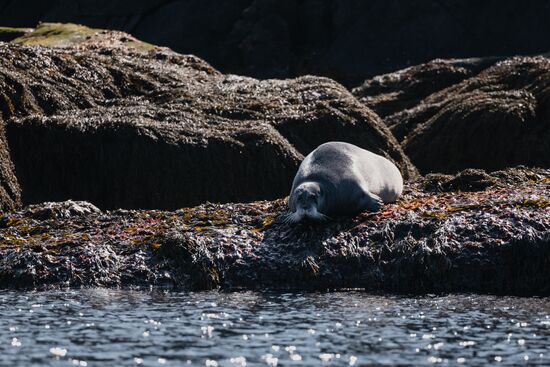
(99, 327)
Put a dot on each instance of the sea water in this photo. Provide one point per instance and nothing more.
(100, 327)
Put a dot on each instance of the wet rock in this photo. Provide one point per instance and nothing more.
(495, 240)
(7, 33)
(60, 210)
(161, 130)
(511, 176)
(10, 191)
(454, 115)
(467, 180)
(69, 34)
(498, 119)
(389, 94)
(472, 180)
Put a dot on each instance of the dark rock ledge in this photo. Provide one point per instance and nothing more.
(493, 236)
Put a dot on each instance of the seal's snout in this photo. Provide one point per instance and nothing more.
(307, 199)
(306, 203)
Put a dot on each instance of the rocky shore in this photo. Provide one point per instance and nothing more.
(154, 138)
(495, 239)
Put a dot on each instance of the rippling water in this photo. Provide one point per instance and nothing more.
(99, 327)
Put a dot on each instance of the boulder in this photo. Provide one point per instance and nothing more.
(391, 93)
(100, 116)
(450, 115)
(499, 118)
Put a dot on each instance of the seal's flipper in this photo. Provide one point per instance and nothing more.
(371, 202)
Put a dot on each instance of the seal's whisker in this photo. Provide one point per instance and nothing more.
(288, 217)
(295, 217)
(284, 217)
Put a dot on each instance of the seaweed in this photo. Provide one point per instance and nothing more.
(495, 240)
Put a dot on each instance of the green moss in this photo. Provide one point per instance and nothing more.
(56, 35)
(139, 45)
(5, 30)
(69, 34)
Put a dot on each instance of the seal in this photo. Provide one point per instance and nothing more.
(340, 179)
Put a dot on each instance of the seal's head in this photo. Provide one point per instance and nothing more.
(306, 202)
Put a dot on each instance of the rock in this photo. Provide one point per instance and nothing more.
(348, 41)
(472, 179)
(76, 35)
(61, 210)
(495, 240)
(459, 114)
(10, 192)
(498, 119)
(119, 124)
(7, 33)
(392, 93)
(467, 180)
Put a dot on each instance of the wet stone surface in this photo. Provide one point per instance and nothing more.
(100, 116)
(494, 240)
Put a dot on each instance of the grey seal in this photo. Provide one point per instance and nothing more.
(340, 179)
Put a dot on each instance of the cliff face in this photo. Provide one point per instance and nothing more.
(103, 117)
(348, 41)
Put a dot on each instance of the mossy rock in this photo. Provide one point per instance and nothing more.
(8, 33)
(69, 34)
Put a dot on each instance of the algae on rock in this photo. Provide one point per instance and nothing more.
(492, 240)
(105, 120)
(449, 115)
